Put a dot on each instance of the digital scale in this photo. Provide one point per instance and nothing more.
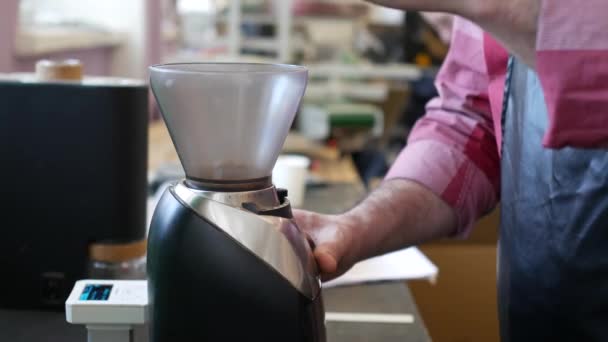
(111, 310)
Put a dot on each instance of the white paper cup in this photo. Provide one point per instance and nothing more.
(290, 172)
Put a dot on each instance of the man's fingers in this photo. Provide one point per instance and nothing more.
(327, 238)
(326, 260)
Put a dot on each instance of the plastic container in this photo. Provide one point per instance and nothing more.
(291, 173)
(228, 121)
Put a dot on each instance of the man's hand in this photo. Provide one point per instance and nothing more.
(400, 213)
(513, 22)
(333, 237)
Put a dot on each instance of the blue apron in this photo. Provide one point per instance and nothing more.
(553, 248)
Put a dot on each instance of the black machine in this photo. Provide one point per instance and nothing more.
(226, 262)
(73, 162)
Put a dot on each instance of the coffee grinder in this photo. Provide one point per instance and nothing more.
(225, 259)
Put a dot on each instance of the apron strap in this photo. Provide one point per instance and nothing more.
(505, 100)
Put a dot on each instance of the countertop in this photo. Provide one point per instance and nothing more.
(391, 299)
(34, 326)
(395, 298)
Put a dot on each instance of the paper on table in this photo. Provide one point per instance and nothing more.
(406, 264)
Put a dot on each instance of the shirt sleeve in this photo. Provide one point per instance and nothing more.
(452, 150)
(572, 64)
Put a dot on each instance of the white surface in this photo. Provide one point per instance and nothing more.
(405, 72)
(283, 10)
(262, 44)
(406, 264)
(324, 91)
(290, 172)
(280, 44)
(127, 303)
(356, 317)
(336, 33)
(45, 40)
(386, 16)
(313, 122)
(234, 28)
(122, 16)
(93, 81)
(198, 29)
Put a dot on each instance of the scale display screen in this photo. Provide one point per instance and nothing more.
(96, 292)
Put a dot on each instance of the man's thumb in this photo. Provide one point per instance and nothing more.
(326, 260)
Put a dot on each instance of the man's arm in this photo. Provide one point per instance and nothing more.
(399, 213)
(442, 181)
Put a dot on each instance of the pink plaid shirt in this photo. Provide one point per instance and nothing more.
(453, 150)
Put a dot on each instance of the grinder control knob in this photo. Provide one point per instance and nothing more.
(282, 193)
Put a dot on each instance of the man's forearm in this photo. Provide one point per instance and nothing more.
(400, 213)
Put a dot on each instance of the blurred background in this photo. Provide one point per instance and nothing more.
(371, 73)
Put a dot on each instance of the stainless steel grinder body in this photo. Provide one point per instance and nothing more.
(231, 266)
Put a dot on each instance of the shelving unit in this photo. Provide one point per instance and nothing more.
(399, 72)
(235, 41)
(350, 80)
(281, 18)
